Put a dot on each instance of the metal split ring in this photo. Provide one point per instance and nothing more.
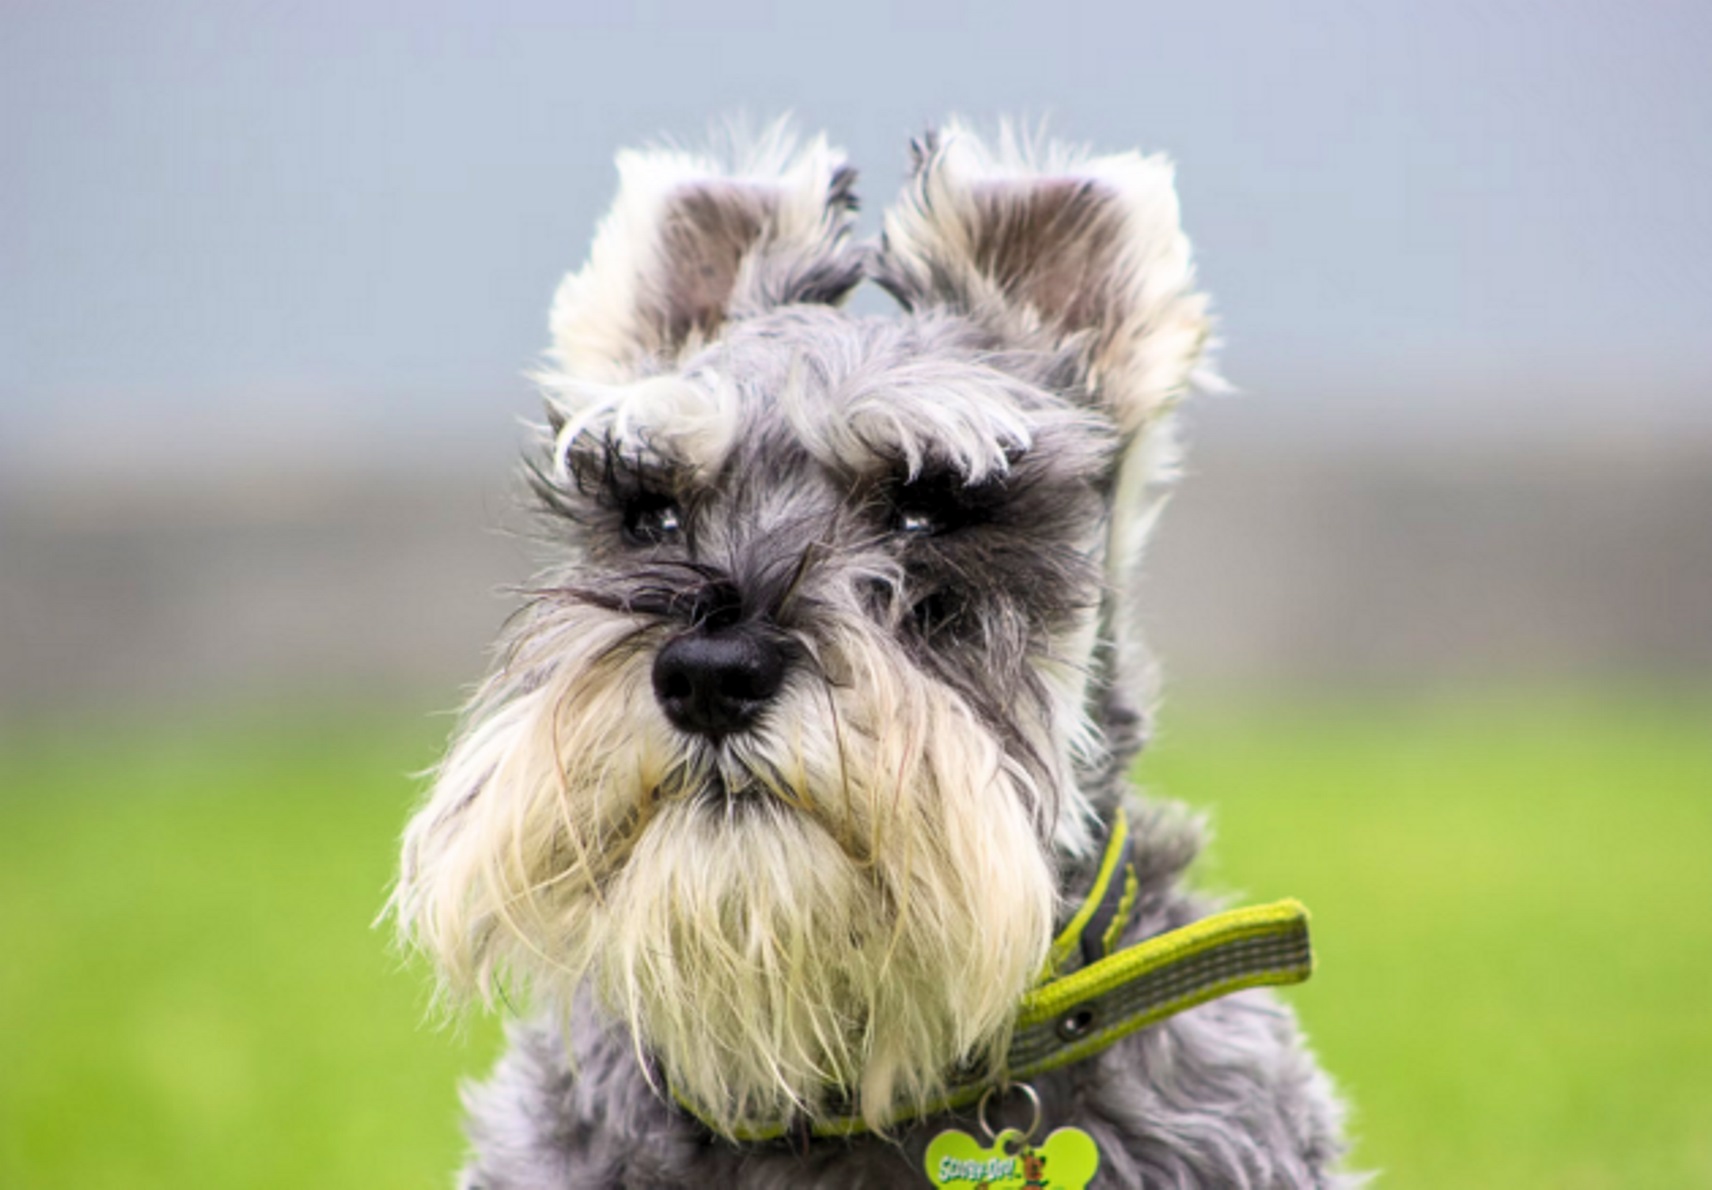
(1005, 1089)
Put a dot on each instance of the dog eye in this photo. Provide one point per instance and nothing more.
(936, 503)
(652, 520)
(916, 520)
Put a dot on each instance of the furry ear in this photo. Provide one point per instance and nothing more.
(1054, 248)
(694, 239)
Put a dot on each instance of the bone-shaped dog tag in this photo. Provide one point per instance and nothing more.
(1065, 1160)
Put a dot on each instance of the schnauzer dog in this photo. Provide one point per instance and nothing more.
(795, 803)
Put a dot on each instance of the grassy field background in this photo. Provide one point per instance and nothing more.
(1512, 899)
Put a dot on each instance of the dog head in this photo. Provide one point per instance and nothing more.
(788, 758)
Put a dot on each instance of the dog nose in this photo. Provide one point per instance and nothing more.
(715, 683)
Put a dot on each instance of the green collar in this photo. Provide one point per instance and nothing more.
(1089, 996)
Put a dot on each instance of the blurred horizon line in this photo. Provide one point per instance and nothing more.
(129, 441)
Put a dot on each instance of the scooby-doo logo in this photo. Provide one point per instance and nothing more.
(957, 1159)
(981, 1170)
(985, 1172)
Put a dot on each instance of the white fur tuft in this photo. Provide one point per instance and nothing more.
(603, 320)
(939, 240)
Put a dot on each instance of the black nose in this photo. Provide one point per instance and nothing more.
(715, 683)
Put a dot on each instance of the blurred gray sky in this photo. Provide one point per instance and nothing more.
(233, 230)
(1462, 253)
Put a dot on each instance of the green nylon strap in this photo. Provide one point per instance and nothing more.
(1076, 1017)
(1084, 1005)
(1069, 950)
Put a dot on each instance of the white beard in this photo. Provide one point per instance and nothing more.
(860, 914)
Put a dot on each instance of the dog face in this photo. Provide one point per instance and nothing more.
(784, 760)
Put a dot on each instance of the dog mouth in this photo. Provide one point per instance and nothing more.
(718, 781)
(718, 792)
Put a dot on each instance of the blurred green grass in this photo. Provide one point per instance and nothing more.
(1512, 900)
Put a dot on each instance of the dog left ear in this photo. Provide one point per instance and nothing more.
(1054, 248)
(695, 239)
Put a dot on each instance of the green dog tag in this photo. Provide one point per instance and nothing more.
(1066, 1160)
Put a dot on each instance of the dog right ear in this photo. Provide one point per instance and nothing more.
(696, 239)
(1051, 247)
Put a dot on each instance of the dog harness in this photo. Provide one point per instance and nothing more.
(1089, 996)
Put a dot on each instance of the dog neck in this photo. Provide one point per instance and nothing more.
(1090, 993)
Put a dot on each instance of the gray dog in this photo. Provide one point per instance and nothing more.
(796, 800)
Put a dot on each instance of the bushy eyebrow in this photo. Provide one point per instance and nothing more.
(600, 475)
(612, 465)
(686, 422)
(913, 416)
